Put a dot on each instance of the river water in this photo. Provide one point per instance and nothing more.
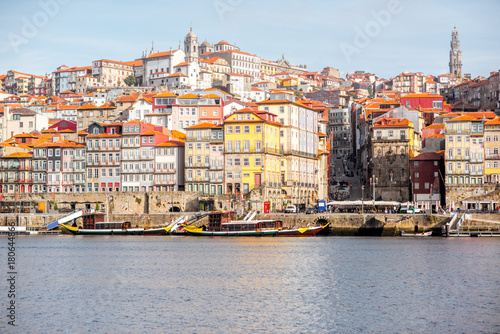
(136, 284)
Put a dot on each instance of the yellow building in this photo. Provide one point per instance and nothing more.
(464, 151)
(492, 147)
(252, 154)
(288, 81)
(299, 144)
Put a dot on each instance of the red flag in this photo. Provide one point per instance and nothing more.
(16, 197)
(1, 196)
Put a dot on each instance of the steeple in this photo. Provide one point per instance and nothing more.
(191, 46)
(455, 55)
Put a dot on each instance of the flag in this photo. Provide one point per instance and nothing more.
(16, 197)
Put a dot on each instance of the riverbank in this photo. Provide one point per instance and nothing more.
(340, 224)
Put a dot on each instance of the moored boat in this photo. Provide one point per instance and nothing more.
(423, 234)
(114, 228)
(221, 225)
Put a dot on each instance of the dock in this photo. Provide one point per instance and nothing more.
(463, 226)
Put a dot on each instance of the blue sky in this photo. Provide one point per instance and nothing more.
(382, 37)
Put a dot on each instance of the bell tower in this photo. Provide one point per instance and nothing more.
(191, 46)
(455, 55)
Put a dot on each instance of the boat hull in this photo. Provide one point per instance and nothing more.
(424, 234)
(297, 232)
(131, 231)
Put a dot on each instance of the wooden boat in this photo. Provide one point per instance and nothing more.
(114, 228)
(423, 234)
(221, 225)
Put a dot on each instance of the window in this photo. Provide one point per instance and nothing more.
(258, 146)
(237, 162)
(229, 129)
(246, 129)
(237, 146)
(459, 139)
(246, 146)
(426, 185)
(258, 162)
(415, 164)
(246, 162)
(417, 175)
(237, 129)
(229, 162)
(258, 129)
(436, 174)
(229, 144)
(450, 139)
(416, 185)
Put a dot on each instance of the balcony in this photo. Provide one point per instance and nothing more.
(215, 180)
(216, 167)
(109, 148)
(168, 171)
(476, 172)
(166, 182)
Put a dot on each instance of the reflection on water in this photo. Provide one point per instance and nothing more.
(109, 284)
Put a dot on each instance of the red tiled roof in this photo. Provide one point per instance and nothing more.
(392, 123)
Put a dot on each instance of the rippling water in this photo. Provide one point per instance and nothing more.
(80, 284)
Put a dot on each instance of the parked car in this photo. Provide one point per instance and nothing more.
(311, 211)
(291, 209)
(405, 209)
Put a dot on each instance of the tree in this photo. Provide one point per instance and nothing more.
(298, 94)
(130, 80)
(97, 206)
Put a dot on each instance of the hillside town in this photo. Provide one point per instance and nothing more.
(224, 123)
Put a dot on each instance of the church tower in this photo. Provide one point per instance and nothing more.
(191, 46)
(455, 55)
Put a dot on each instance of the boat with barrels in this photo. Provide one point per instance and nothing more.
(223, 224)
(94, 224)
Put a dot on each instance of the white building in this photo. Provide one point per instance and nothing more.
(21, 120)
(140, 109)
(161, 62)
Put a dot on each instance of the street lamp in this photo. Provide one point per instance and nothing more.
(362, 199)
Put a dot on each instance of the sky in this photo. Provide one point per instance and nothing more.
(382, 37)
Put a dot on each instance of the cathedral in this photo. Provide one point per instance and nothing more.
(455, 55)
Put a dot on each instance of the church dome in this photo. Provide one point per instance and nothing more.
(191, 34)
(205, 43)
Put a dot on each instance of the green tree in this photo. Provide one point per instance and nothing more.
(298, 94)
(130, 80)
(97, 206)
